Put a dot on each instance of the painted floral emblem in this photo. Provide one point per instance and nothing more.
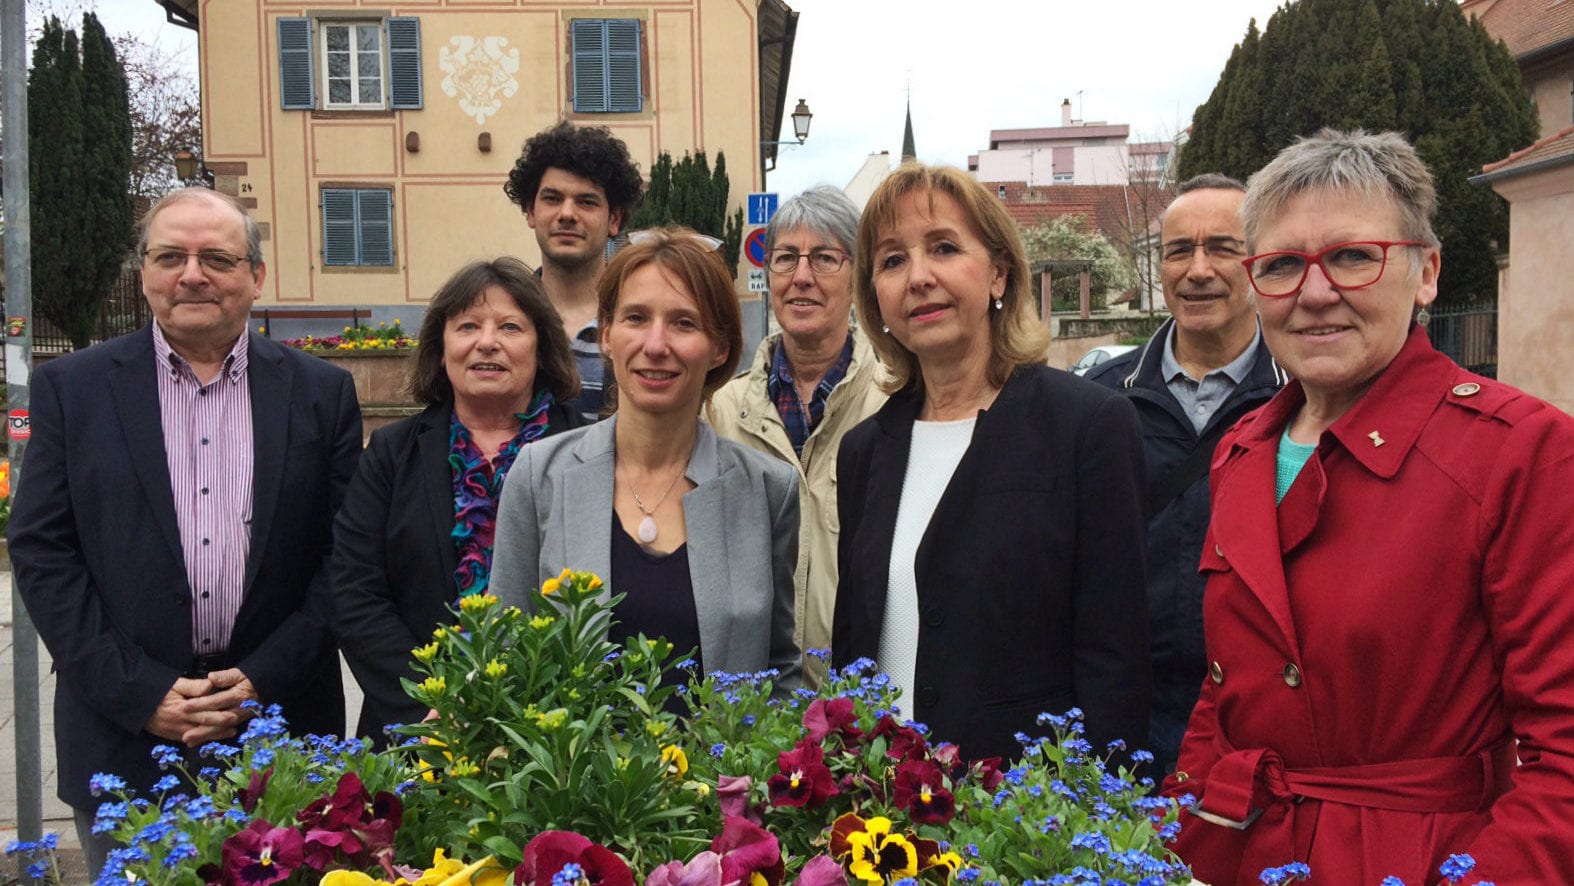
(479, 72)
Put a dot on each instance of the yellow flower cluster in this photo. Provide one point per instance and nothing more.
(425, 654)
(586, 580)
(477, 602)
(552, 720)
(434, 685)
(495, 669)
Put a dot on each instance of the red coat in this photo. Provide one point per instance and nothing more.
(1408, 610)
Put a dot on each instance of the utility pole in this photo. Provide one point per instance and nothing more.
(18, 370)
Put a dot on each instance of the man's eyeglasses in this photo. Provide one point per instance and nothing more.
(1218, 249)
(1353, 265)
(215, 261)
(821, 261)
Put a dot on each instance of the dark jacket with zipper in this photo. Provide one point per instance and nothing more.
(1176, 531)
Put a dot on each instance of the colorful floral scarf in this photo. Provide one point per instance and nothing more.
(478, 481)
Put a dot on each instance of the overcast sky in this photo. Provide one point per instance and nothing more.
(970, 67)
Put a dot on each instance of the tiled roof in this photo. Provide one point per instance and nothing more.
(1558, 146)
(1525, 25)
(1106, 207)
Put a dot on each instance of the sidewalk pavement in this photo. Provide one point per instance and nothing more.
(57, 815)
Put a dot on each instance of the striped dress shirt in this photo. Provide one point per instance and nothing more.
(208, 445)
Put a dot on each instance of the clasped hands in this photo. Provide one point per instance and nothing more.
(197, 710)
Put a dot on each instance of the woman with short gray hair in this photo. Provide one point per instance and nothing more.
(808, 385)
(1389, 679)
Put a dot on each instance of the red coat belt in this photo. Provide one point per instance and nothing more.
(1242, 783)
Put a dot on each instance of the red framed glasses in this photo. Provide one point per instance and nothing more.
(1353, 265)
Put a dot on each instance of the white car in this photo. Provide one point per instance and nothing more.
(1099, 355)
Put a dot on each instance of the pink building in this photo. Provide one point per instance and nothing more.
(1076, 152)
(1535, 302)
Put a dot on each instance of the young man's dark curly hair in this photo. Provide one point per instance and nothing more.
(591, 152)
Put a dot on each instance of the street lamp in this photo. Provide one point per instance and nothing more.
(185, 165)
(188, 167)
(801, 116)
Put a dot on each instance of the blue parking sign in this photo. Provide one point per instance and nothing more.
(761, 208)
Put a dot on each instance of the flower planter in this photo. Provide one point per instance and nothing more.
(380, 381)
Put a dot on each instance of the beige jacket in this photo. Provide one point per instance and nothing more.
(742, 411)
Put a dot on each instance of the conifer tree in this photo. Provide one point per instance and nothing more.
(106, 173)
(80, 152)
(689, 193)
(1420, 67)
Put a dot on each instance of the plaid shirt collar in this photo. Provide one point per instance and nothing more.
(800, 421)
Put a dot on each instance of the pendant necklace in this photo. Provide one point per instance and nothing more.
(647, 526)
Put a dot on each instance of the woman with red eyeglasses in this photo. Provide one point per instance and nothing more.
(1390, 567)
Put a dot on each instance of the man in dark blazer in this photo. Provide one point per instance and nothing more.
(173, 518)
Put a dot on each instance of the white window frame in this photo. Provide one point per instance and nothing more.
(1063, 178)
(355, 104)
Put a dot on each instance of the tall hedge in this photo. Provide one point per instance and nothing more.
(1420, 67)
(80, 144)
(689, 193)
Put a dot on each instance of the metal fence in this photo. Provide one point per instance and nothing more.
(1467, 334)
(123, 310)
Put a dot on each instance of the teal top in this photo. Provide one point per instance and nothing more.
(1292, 457)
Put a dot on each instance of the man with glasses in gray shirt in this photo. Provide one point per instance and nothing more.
(1202, 370)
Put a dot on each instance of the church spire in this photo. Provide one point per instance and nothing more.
(909, 153)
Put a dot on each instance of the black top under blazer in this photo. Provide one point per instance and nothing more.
(394, 558)
(1030, 574)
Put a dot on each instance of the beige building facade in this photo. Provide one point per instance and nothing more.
(1535, 301)
(372, 141)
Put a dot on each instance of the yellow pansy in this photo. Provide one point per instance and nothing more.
(677, 761)
(349, 878)
(442, 868)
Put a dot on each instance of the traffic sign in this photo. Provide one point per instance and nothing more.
(757, 281)
(754, 247)
(761, 208)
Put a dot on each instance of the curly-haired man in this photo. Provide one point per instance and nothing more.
(577, 186)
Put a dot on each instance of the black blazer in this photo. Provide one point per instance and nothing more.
(96, 548)
(393, 569)
(1030, 578)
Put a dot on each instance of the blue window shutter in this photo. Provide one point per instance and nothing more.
(404, 62)
(339, 227)
(295, 64)
(375, 214)
(623, 82)
(590, 65)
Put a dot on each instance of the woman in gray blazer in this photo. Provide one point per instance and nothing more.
(699, 533)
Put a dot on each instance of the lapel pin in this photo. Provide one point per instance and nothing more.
(1377, 439)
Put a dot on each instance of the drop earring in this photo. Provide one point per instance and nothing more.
(1423, 317)
(999, 304)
